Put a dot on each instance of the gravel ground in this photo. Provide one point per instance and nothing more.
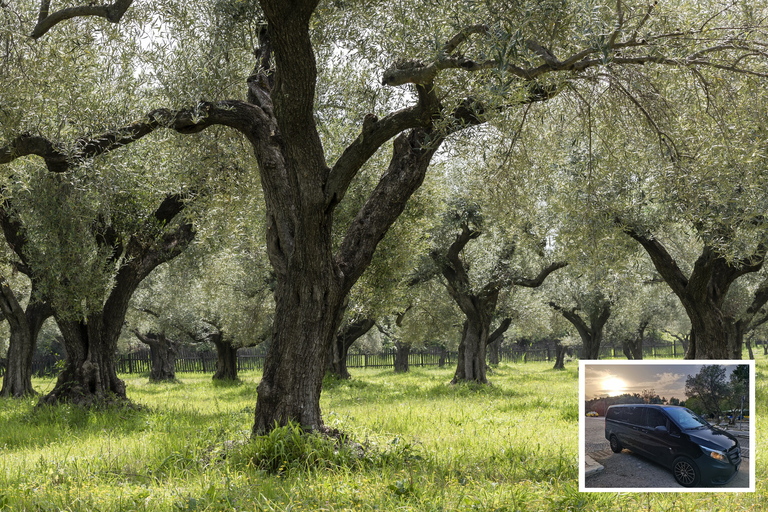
(627, 470)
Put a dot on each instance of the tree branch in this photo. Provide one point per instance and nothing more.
(500, 330)
(374, 134)
(411, 155)
(239, 115)
(665, 264)
(111, 12)
(15, 236)
(619, 24)
(415, 72)
(171, 206)
(570, 314)
(539, 279)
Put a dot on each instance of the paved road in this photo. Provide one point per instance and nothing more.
(627, 470)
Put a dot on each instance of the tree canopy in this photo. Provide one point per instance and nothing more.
(96, 83)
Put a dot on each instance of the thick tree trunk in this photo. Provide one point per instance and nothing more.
(749, 349)
(226, 358)
(633, 348)
(162, 354)
(493, 352)
(402, 351)
(592, 342)
(493, 343)
(24, 327)
(559, 357)
(471, 360)
(348, 334)
(591, 333)
(308, 310)
(736, 331)
(713, 334)
(89, 376)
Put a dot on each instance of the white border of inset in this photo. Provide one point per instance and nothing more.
(752, 422)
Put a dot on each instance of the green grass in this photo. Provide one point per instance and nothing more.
(426, 446)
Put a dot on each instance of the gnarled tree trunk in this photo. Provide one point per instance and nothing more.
(89, 376)
(348, 334)
(493, 343)
(559, 356)
(591, 329)
(471, 360)
(633, 348)
(478, 306)
(714, 335)
(402, 352)
(162, 352)
(226, 357)
(24, 325)
(493, 352)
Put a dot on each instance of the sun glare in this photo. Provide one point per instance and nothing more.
(614, 386)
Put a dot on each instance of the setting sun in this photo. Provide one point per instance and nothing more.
(614, 386)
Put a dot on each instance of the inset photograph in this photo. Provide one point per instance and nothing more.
(666, 426)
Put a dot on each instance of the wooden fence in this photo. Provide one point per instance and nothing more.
(191, 361)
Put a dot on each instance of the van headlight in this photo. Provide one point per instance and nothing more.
(715, 454)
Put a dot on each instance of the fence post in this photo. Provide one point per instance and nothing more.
(365, 360)
(130, 362)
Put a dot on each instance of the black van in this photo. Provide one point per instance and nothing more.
(697, 452)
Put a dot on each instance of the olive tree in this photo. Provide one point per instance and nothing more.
(480, 60)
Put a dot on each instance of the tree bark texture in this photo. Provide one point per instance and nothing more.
(162, 352)
(313, 279)
(348, 334)
(714, 335)
(479, 307)
(25, 326)
(495, 339)
(633, 347)
(89, 376)
(591, 329)
(226, 358)
(559, 357)
(402, 351)
(493, 352)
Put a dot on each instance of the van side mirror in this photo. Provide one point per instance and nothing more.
(661, 428)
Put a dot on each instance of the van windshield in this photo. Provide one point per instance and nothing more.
(685, 418)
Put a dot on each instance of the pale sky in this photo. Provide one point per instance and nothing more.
(667, 380)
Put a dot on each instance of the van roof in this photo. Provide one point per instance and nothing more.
(648, 405)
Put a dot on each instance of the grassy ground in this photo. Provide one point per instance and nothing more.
(427, 447)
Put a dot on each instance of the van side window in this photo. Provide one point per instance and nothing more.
(655, 418)
(634, 415)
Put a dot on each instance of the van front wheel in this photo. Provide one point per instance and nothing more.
(686, 472)
(616, 444)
